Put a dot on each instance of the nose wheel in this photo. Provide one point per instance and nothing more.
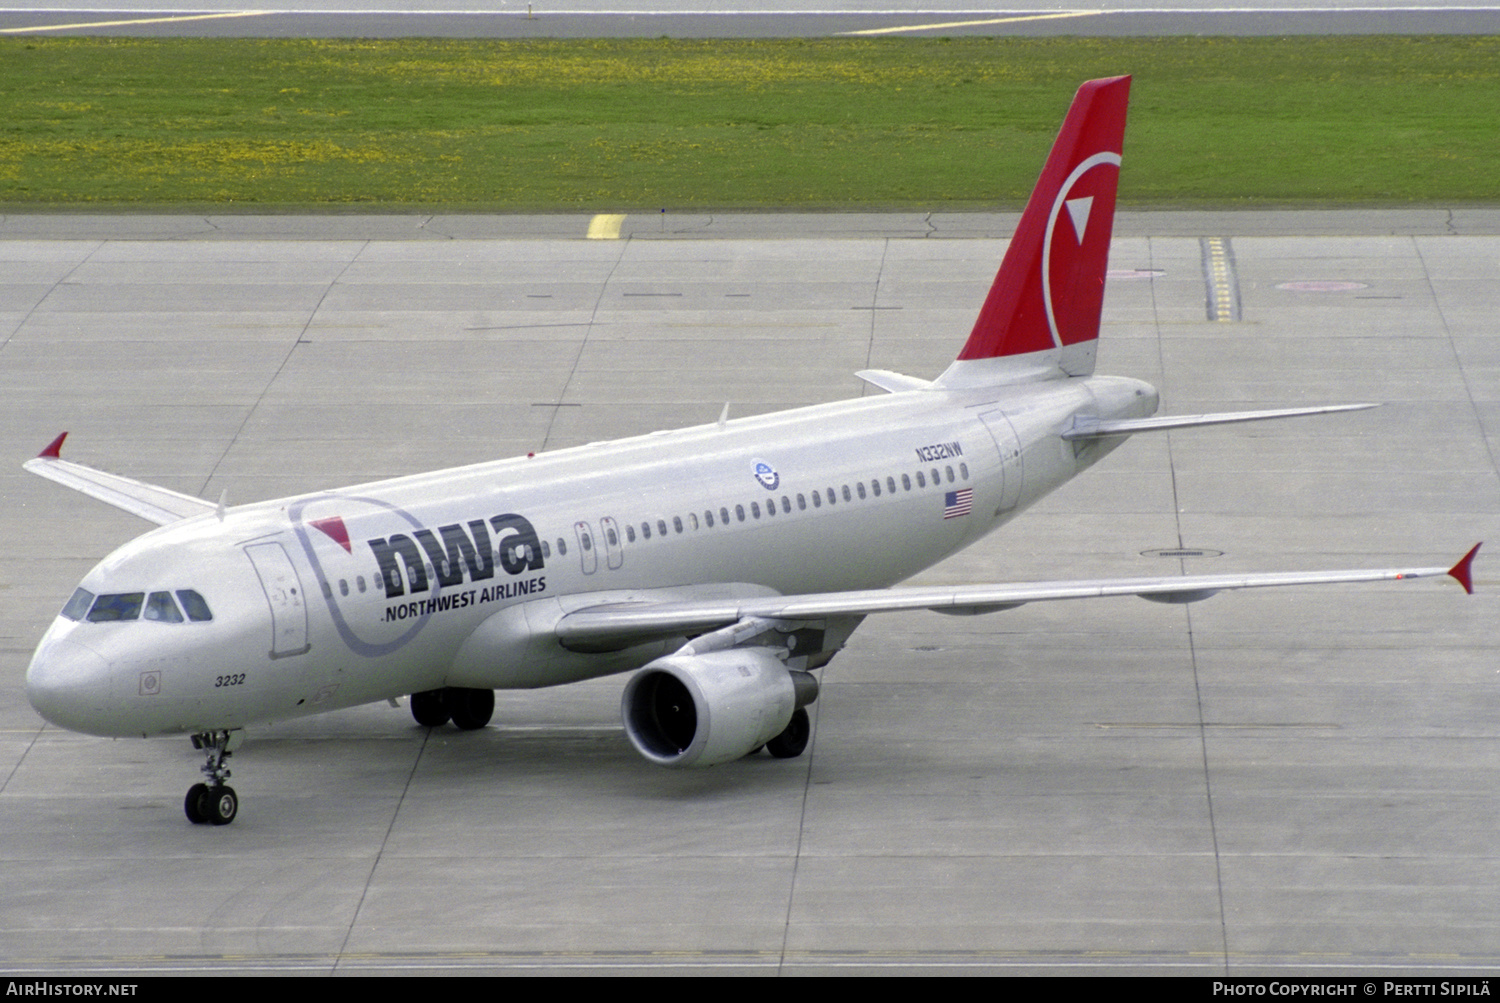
(213, 803)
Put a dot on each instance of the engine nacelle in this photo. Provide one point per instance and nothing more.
(710, 708)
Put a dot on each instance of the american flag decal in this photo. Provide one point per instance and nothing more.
(957, 503)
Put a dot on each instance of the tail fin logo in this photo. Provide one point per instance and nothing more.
(1063, 279)
(1045, 302)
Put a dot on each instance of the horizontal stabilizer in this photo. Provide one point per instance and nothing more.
(154, 504)
(892, 383)
(1086, 429)
(622, 622)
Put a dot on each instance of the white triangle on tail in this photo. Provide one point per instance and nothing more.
(1078, 212)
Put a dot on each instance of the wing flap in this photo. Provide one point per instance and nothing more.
(149, 502)
(616, 622)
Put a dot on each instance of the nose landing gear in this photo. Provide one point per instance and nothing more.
(215, 802)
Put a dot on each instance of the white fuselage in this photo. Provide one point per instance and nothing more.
(330, 600)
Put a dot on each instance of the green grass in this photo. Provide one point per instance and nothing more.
(650, 124)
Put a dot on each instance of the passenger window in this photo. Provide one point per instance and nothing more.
(802, 503)
(343, 588)
(832, 498)
(78, 605)
(359, 580)
(921, 481)
(646, 530)
(817, 500)
(755, 510)
(161, 607)
(890, 484)
(950, 473)
(936, 477)
(786, 505)
(327, 590)
(197, 609)
(905, 482)
(661, 526)
(611, 536)
(963, 470)
(629, 534)
(562, 547)
(771, 507)
(708, 517)
(724, 516)
(874, 486)
(122, 606)
(586, 540)
(739, 512)
(677, 524)
(693, 520)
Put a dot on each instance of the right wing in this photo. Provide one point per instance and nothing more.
(154, 504)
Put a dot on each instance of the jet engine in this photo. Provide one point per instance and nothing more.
(707, 708)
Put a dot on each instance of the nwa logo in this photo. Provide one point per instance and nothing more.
(457, 553)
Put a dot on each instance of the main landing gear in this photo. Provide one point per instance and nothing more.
(215, 802)
(793, 738)
(468, 709)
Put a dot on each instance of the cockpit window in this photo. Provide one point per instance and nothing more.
(121, 606)
(78, 605)
(161, 607)
(197, 609)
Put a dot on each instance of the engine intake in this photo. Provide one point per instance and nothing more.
(704, 709)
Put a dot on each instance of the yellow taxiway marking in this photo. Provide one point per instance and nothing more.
(972, 24)
(605, 227)
(138, 20)
(1221, 293)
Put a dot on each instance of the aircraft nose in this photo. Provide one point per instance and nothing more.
(69, 685)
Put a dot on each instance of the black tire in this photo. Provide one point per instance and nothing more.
(471, 709)
(792, 741)
(193, 805)
(223, 804)
(429, 708)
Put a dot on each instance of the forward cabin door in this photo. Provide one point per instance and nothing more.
(284, 592)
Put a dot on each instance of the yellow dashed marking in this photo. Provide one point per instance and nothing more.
(973, 24)
(1223, 301)
(605, 227)
(138, 20)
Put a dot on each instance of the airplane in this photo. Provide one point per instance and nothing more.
(725, 563)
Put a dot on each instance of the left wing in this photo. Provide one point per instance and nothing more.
(152, 503)
(614, 623)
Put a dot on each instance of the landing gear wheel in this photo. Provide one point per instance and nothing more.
(429, 708)
(471, 709)
(791, 742)
(223, 804)
(214, 802)
(193, 804)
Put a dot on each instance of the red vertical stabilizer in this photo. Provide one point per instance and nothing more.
(1046, 299)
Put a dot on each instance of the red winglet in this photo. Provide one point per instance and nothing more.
(1461, 571)
(54, 451)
